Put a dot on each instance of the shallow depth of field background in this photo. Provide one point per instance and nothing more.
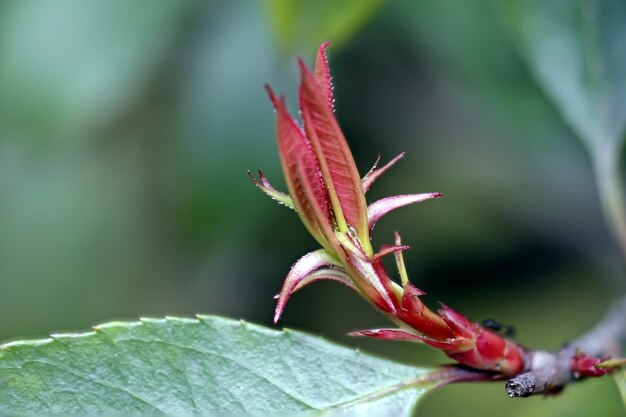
(126, 129)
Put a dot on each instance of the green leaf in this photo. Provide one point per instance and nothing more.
(71, 68)
(620, 380)
(181, 366)
(301, 24)
(576, 50)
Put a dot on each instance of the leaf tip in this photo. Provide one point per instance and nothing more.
(252, 178)
(276, 102)
(277, 313)
(302, 65)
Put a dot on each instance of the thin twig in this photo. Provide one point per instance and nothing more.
(548, 372)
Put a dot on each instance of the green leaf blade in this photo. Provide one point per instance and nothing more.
(307, 24)
(179, 366)
(620, 380)
(577, 52)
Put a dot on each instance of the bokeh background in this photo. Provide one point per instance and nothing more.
(127, 128)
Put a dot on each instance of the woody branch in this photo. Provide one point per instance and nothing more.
(548, 372)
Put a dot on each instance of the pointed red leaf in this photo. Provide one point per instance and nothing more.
(299, 272)
(377, 288)
(321, 73)
(267, 188)
(301, 171)
(461, 326)
(372, 169)
(336, 163)
(389, 285)
(371, 276)
(417, 315)
(325, 274)
(387, 334)
(328, 274)
(379, 208)
(446, 346)
(389, 249)
(375, 173)
(411, 301)
(319, 209)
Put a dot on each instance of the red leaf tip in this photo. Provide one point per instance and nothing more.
(275, 101)
(413, 291)
(303, 68)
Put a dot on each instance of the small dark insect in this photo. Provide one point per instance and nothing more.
(496, 326)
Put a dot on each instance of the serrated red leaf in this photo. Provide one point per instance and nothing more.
(375, 173)
(321, 73)
(461, 326)
(303, 273)
(336, 163)
(381, 207)
(415, 314)
(387, 334)
(301, 171)
(389, 249)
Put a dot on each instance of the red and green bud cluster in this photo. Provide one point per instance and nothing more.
(328, 194)
(588, 366)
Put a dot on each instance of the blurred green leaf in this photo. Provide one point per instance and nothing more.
(620, 380)
(180, 366)
(71, 67)
(74, 246)
(307, 24)
(577, 51)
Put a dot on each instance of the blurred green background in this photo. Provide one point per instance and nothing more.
(126, 129)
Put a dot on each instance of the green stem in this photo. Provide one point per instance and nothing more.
(611, 190)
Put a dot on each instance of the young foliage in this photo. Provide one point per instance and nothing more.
(328, 193)
(178, 366)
